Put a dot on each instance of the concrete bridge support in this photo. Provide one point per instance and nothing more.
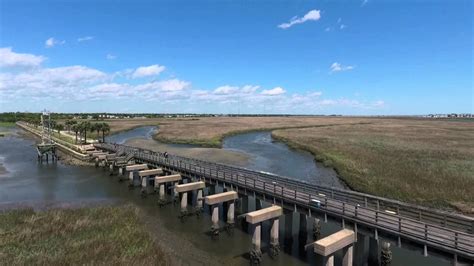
(184, 189)
(160, 183)
(147, 176)
(214, 201)
(133, 172)
(327, 246)
(256, 218)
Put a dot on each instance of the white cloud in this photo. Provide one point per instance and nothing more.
(146, 71)
(327, 29)
(274, 91)
(342, 26)
(111, 57)
(8, 58)
(61, 82)
(86, 38)
(51, 42)
(224, 90)
(337, 67)
(171, 85)
(312, 15)
(364, 2)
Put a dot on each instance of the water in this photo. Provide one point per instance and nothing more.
(28, 183)
(276, 157)
(145, 132)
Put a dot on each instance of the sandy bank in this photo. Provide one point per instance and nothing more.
(207, 154)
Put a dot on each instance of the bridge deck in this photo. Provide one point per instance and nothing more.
(439, 230)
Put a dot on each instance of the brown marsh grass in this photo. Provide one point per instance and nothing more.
(421, 161)
(99, 235)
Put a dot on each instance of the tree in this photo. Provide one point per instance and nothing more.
(70, 123)
(59, 127)
(85, 126)
(76, 128)
(105, 128)
(98, 128)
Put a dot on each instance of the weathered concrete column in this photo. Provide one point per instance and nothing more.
(348, 256)
(329, 261)
(130, 176)
(256, 238)
(274, 231)
(199, 199)
(162, 191)
(274, 241)
(230, 213)
(184, 201)
(316, 228)
(120, 170)
(385, 254)
(111, 168)
(215, 217)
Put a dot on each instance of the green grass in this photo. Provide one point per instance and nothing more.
(100, 235)
(7, 124)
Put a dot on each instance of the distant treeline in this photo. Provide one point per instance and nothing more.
(26, 116)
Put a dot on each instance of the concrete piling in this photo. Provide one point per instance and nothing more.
(200, 199)
(274, 238)
(215, 217)
(230, 213)
(385, 254)
(184, 201)
(162, 191)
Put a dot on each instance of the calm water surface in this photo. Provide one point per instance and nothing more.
(29, 183)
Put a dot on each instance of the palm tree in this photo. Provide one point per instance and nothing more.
(76, 128)
(70, 123)
(105, 129)
(85, 126)
(98, 128)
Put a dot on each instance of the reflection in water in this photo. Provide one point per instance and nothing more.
(29, 182)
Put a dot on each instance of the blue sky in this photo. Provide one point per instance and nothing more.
(299, 57)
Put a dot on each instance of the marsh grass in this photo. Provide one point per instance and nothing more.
(419, 161)
(99, 235)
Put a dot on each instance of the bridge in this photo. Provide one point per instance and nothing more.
(432, 230)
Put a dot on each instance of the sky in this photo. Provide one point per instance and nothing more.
(361, 57)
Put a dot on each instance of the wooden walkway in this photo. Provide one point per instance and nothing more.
(443, 231)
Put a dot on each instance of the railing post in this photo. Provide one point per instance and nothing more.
(343, 208)
(399, 224)
(365, 201)
(456, 240)
(376, 217)
(426, 231)
(355, 211)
